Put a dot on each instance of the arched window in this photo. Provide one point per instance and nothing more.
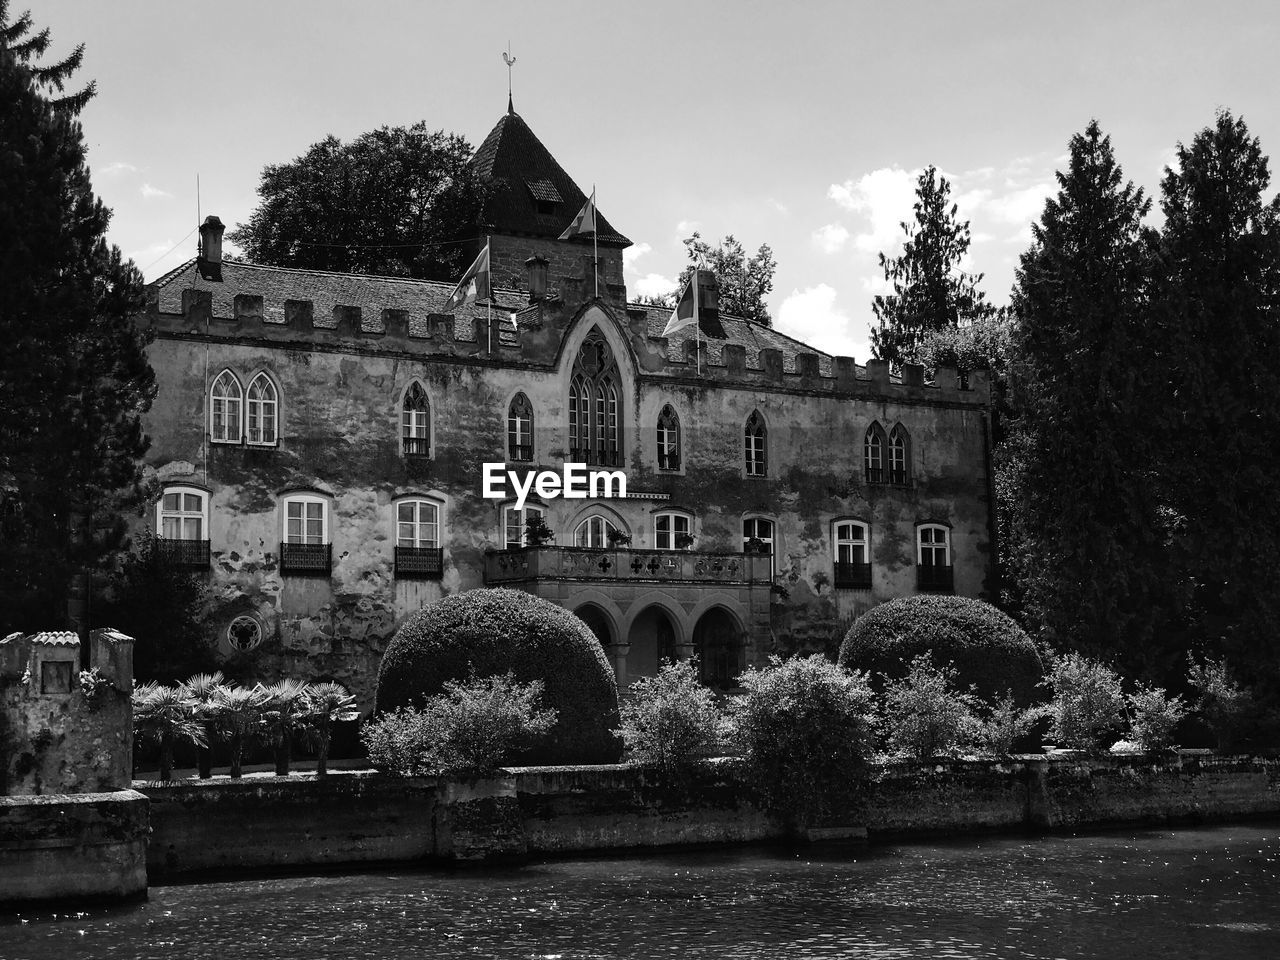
(263, 411)
(520, 429)
(224, 408)
(182, 527)
(873, 453)
(672, 531)
(755, 445)
(853, 554)
(757, 537)
(513, 524)
(415, 422)
(593, 532)
(668, 439)
(933, 558)
(595, 409)
(899, 454)
(418, 555)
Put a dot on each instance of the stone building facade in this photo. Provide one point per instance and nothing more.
(320, 439)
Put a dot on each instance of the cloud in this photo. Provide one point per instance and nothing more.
(812, 316)
(113, 169)
(150, 193)
(686, 228)
(884, 198)
(831, 238)
(781, 207)
(653, 285)
(1022, 205)
(634, 253)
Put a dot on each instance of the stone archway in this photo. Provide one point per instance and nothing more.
(651, 640)
(599, 623)
(719, 641)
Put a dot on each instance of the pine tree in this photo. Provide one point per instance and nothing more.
(1220, 300)
(1091, 550)
(74, 379)
(930, 291)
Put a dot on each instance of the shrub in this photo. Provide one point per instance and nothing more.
(1004, 724)
(1155, 715)
(469, 730)
(1225, 706)
(165, 715)
(327, 704)
(240, 716)
(203, 690)
(988, 649)
(805, 728)
(492, 632)
(1087, 705)
(285, 710)
(924, 715)
(670, 721)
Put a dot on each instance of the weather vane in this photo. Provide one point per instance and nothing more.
(510, 61)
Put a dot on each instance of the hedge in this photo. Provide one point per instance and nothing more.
(489, 632)
(988, 649)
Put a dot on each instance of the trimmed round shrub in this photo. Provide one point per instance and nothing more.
(989, 650)
(491, 632)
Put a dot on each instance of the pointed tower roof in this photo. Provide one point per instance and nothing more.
(531, 195)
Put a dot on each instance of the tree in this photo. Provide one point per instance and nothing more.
(395, 201)
(1220, 264)
(930, 291)
(744, 281)
(74, 378)
(1092, 559)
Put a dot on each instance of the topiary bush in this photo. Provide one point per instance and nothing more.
(988, 649)
(492, 632)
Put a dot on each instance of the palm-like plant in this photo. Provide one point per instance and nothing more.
(240, 717)
(203, 689)
(285, 707)
(165, 715)
(327, 704)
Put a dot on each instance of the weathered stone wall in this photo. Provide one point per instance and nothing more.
(92, 845)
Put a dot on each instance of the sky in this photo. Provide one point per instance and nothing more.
(801, 125)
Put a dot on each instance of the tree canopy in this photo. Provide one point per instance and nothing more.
(930, 291)
(395, 201)
(74, 378)
(744, 281)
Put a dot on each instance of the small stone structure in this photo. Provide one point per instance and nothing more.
(70, 827)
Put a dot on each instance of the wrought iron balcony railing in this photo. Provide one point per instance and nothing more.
(521, 452)
(855, 576)
(935, 578)
(419, 563)
(306, 559)
(668, 461)
(875, 474)
(624, 564)
(184, 554)
(416, 446)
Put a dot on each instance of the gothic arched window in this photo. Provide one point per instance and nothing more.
(668, 439)
(755, 445)
(520, 429)
(415, 422)
(263, 411)
(224, 409)
(899, 454)
(873, 453)
(595, 407)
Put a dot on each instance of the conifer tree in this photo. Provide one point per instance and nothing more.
(74, 379)
(1090, 551)
(1221, 272)
(930, 291)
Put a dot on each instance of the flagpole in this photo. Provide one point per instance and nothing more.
(489, 299)
(697, 321)
(595, 251)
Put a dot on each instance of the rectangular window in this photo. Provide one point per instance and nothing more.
(513, 523)
(670, 531)
(417, 524)
(304, 522)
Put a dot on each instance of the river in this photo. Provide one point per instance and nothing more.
(1211, 892)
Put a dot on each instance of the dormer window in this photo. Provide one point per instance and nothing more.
(546, 198)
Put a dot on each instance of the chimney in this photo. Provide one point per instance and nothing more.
(537, 268)
(210, 260)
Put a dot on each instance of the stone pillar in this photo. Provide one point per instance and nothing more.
(618, 653)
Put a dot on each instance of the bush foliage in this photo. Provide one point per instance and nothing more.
(806, 728)
(670, 721)
(988, 649)
(925, 715)
(1154, 716)
(1087, 706)
(487, 633)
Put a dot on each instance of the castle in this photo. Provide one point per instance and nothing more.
(319, 439)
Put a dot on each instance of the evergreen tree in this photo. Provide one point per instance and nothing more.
(1221, 272)
(74, 379)
(1089, 551)
(391, 202)
(744, 281)
(930, 291)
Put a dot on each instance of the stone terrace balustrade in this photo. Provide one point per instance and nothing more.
(580, 563)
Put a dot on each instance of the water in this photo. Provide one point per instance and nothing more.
(1169, 894)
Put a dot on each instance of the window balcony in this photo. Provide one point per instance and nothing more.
(875, 475)
(419, 563)
(625, 565)
(595, 458)
(416, 446)
(306, 559)
(669, 461)
(898, 477)
(935, 578)
(183, 554)
(521, 452)
(853, 576)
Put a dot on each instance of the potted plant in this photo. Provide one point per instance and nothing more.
(684, 541)
(536, 531)
(618, 538)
